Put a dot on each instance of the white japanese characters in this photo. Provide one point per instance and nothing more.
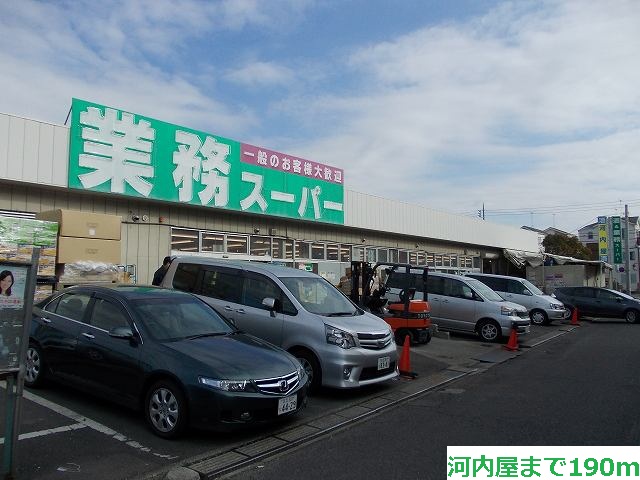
(118, 150)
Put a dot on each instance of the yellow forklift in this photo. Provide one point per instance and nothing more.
(408, 317)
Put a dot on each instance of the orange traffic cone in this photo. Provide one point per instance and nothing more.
(405, 362)
(574, 317)
(512, 344)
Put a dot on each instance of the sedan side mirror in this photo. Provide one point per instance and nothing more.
(121, 332)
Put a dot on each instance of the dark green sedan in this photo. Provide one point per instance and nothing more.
(165, 352)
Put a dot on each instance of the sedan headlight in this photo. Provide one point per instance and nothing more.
(556, 306)
(228, 385)
(507, 311)
(338, 337)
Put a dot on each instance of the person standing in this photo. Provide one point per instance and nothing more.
(159, 274)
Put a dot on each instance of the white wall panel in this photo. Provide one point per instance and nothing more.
(362, 211)
(33, 152)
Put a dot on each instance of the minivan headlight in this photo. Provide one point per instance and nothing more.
(338, 337)
(507, 311)
(228, 385)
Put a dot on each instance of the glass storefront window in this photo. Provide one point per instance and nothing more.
(237, 243)
(184, 240)
(260, 245)
(303, 249)
(345, 253)
(288, 249)
(383, 255)
(430, 260)
(454, 260)
(393, 255)
(371, 255)
(212, 242)
(446, 260)
(403, 256)
(277, 247)
(358, 254)
(317, 251)
(438, 260)
(413, 258)
(333, 251)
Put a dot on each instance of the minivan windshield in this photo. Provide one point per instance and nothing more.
(535, 290)
(316, 295)
(484, 291)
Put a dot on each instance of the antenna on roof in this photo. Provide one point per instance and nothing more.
(68, 114)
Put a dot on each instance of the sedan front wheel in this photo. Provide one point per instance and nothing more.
(166, 409)
(631, 316)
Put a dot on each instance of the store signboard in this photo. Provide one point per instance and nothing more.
(616, 235)
(114, 151)
(603, 239)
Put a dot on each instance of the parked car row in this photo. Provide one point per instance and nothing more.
(181, 355)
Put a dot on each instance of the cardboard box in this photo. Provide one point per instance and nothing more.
(74, 249)
(84, 224)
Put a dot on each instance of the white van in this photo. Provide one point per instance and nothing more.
(339, 344)
(463, 304)
(543, 309)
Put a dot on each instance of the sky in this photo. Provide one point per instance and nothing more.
(528, 108)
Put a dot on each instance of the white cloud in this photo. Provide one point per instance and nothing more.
(543, 99)
(261, 73)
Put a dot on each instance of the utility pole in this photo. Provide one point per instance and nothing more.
(626, 249)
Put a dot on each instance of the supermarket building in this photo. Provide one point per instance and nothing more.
(176, 190)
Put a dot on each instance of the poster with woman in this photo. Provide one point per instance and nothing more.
(12, 286)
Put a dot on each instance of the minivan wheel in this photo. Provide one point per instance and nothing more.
(631, 316)
(539, 317)
(489, 331)
(311, 368)
(166, 409)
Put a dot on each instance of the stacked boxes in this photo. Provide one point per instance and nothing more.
(86, 236)
(18, 236)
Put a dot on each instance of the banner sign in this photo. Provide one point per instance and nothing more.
(616, 235)
(12, 300)
(603, 239)
(114, 151)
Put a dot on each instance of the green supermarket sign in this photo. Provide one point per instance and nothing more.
(114, 151)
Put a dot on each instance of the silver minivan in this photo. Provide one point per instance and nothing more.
(339, 344)
(543, 309)
(463, 304)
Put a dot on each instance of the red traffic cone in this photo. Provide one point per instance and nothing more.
(405, 362)
(574, 317)
(512, 344)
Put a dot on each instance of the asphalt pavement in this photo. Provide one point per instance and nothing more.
(65, 433)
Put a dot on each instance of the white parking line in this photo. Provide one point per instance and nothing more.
(82, 422)
(42, 433)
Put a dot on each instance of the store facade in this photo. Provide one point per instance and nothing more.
(182, 191)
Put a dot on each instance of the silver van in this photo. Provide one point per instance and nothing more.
(543, 309)
(463, 304)
(339, 344)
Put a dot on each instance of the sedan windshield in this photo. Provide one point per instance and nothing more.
(317, 295)
(169, 319)
(484, 291)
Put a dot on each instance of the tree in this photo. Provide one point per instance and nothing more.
(566, 245)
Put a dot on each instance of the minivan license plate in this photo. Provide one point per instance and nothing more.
(287, 404)
(383, 363)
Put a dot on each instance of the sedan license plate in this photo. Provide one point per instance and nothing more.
(383, 362)
(287, 404)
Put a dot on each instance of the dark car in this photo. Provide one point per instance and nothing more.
(599, 302)
(166, 352)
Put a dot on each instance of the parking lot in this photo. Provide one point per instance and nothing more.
(66, 433)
